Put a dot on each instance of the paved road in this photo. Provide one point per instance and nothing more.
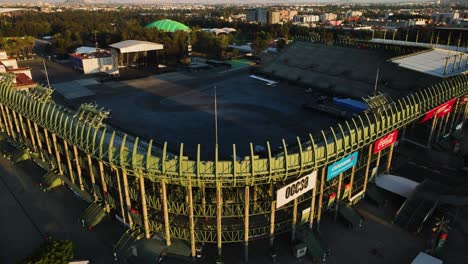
(28, 214)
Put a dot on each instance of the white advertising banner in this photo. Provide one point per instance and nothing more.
(295, 189)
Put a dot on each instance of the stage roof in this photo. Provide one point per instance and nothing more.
(168, 25)
(129, 46)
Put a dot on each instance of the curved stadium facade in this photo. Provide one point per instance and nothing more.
(219, 201)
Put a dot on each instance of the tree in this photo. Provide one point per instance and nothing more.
(52, 252)
(260, 42)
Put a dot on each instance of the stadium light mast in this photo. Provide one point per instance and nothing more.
(216, 116)
(376, 79)
(46, 74)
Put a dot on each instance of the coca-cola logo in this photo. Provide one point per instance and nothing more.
(389, 139)
(386, 141)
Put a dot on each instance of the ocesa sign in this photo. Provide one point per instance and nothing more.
(295, 189)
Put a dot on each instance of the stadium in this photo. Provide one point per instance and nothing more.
(158, 166)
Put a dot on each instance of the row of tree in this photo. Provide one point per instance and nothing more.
(71, 29)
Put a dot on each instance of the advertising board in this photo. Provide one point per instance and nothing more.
(385, 141)
(342, 165)
(440, 111)
(295, 189)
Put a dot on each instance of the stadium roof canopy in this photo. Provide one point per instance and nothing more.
(129, 46)
(437, 62)
(168, 25)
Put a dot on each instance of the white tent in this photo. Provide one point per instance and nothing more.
(129, 46)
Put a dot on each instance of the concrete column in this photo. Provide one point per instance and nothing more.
(272, 223)
(338, 195)
(127, 198)
(78, 167)
(17, 126)
(246, 223)
(454, 115)
(119, 187)
(312, 206)
(219, 206)
(366, 176)
(165, 212)
(26, 142)
(389, 159)
(46, 136)
(31, 135)
(431, 133)
(294, 221)
(191, 218)
(69, 164)
(104, 186)
(144, 207)
(377, 163)
(5, 121)
(91, 175)
(351, 182)
(57, 154)
(445, 121)
(322, 186)
(10, 123)
(39, 142)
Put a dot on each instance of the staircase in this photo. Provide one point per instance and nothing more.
(416, 210)
(128, 239)
(19, 155)
(50, 181)
(93, 215)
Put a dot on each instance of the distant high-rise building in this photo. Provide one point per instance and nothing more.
(288, 15)
(353, 14)
(262, 16)
(274, 17)
(251, 15)
(259, 15)
(328, 17)
(447, 18)
(305, 18)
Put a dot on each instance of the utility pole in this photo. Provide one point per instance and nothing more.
(46, 74)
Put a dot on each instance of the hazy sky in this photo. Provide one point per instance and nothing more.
(218, 1)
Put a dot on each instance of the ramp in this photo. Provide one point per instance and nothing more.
(315, 246)
(349, 215)
(374, 194)
(93, 215)
(50, 181)
(128, 239)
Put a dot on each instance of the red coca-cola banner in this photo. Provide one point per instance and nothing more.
(440, 111)
(385, 141)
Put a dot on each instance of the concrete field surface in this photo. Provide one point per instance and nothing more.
(179, 108)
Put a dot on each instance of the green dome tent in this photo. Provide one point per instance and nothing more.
(168, 25)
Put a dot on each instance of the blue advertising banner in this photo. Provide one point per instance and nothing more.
(342, 165)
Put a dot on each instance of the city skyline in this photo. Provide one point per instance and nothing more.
(243, 2)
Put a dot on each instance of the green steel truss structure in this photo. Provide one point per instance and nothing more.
(216, 201)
